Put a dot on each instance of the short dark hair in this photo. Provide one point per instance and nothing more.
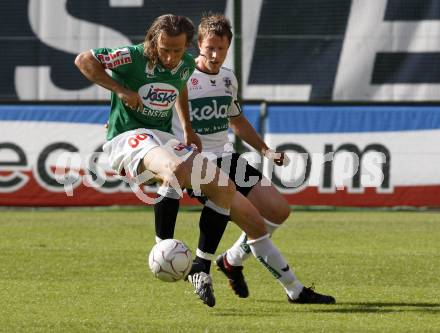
(217, 24)
(172, 25)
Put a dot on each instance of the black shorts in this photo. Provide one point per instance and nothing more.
(239, 176)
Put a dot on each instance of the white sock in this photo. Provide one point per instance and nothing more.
(270, 257)
(240, 251)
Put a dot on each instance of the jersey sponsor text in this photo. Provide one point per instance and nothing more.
(208, 112)
(158, 96)
(115, 59)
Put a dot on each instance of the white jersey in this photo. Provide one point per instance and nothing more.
(212, 100)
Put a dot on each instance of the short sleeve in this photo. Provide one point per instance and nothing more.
(235, 108)
(117, 59)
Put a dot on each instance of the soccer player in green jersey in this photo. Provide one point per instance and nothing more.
(214, 108)
(146, 81)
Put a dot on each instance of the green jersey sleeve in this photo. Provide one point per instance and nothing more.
(116, 59)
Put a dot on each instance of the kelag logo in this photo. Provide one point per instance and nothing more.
(206, 108)
(158, 96)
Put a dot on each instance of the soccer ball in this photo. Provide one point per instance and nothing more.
(170, 260)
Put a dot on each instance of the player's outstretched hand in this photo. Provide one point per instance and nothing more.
(279, 158)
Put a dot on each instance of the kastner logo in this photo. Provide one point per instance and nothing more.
(158, 96)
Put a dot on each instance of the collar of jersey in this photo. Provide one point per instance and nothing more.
(211, 74)
(173, 71)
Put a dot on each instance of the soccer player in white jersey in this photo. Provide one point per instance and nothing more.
(214, 108)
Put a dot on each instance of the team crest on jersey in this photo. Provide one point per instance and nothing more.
(184, 74)
(228, 85)
(158, 96)
(227, 82)
(194, 84)
(116, 58)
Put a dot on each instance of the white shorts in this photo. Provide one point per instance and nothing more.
(127, 150)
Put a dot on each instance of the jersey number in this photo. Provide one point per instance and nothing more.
(134, 140)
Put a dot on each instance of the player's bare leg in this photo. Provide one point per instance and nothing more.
(270, 203)
(274, 209)
(169, 168)
(243, 213)
(174, 173)
(247, 217)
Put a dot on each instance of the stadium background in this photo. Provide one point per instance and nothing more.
(316, 77)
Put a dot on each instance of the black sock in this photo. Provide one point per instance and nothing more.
(212, 226)
(200, 265)
(165, 214)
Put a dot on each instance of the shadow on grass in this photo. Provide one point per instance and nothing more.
(247, 312)
(365, 307)
(386, 304)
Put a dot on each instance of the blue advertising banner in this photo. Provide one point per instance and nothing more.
(357, 155)
(50, 155)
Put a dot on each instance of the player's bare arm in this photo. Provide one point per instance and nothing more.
(93, 70)
(182, 108)
(244, 130)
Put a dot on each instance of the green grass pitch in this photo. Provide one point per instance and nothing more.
(86, 271)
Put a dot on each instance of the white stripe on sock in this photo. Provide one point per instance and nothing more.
(270, 226)
(168, 192)
(216, 208)
(205, 255)
(253, 241)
